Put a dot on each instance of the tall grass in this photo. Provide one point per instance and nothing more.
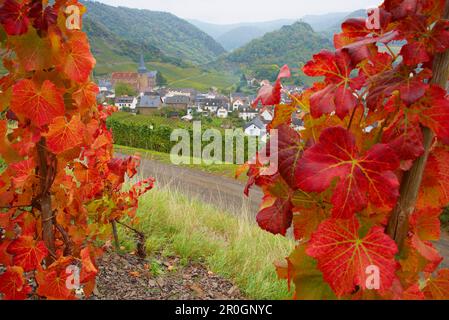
(231, 246)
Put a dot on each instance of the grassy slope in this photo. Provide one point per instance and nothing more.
(126, 117)
(233, 247)
(223, 170)
(177, 77)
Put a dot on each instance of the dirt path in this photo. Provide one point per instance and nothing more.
(224, 193)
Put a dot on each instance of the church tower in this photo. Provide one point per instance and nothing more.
(142, 69)
(143, 82)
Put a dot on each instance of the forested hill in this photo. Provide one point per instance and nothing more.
(293, 45)
(159, 33)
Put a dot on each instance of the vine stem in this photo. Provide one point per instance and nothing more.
(45, 171)
(115, 234)
(140, 238)
(398, 225)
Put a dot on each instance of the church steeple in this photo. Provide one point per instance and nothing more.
(142, 68)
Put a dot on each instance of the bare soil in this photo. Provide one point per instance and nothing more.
(127, 277)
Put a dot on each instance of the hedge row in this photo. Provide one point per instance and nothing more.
(155, 136)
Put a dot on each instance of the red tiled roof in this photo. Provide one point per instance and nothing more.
(124, 76)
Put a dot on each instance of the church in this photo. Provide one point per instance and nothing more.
(142, 80)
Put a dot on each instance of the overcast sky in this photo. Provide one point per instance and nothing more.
(233, 11)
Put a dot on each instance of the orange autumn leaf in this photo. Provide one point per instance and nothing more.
(86, 96)
(63, 135)
(39, 104)
(426, 223)
(53, 285)
(78, 62)
(88, 270)
(437, 288)
(7, 152)
(22, 171)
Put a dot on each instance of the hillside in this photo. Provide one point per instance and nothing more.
(240, 36)
(157, 33)
(293, 45)
(113, 52)
(233, 36)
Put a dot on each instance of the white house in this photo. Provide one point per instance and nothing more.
(247, 113)
(238, 103)
(256, 128)
(222, 113)
(126, 102)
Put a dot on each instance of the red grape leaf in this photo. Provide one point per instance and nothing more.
(433, 111)
(344, 257)
(339, 93)
(271, 95)
(13, 285)
(43, 17)
(63, 135)
(355, 31)
(27, 252)
(362, 179)
(40, 105)
(422, 42)
(5, 257)
(21, 172)
(415, 53)
(13, 16)
(400, 9)
(290, 150)
(405, 138)
(410, 84)
(275, 215)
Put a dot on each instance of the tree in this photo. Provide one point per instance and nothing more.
(364, 184)
(160, 80)
(268, 72)
(243, 80)
(62, 189)
(124, 89)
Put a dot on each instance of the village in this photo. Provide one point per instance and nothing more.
(189, 104)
